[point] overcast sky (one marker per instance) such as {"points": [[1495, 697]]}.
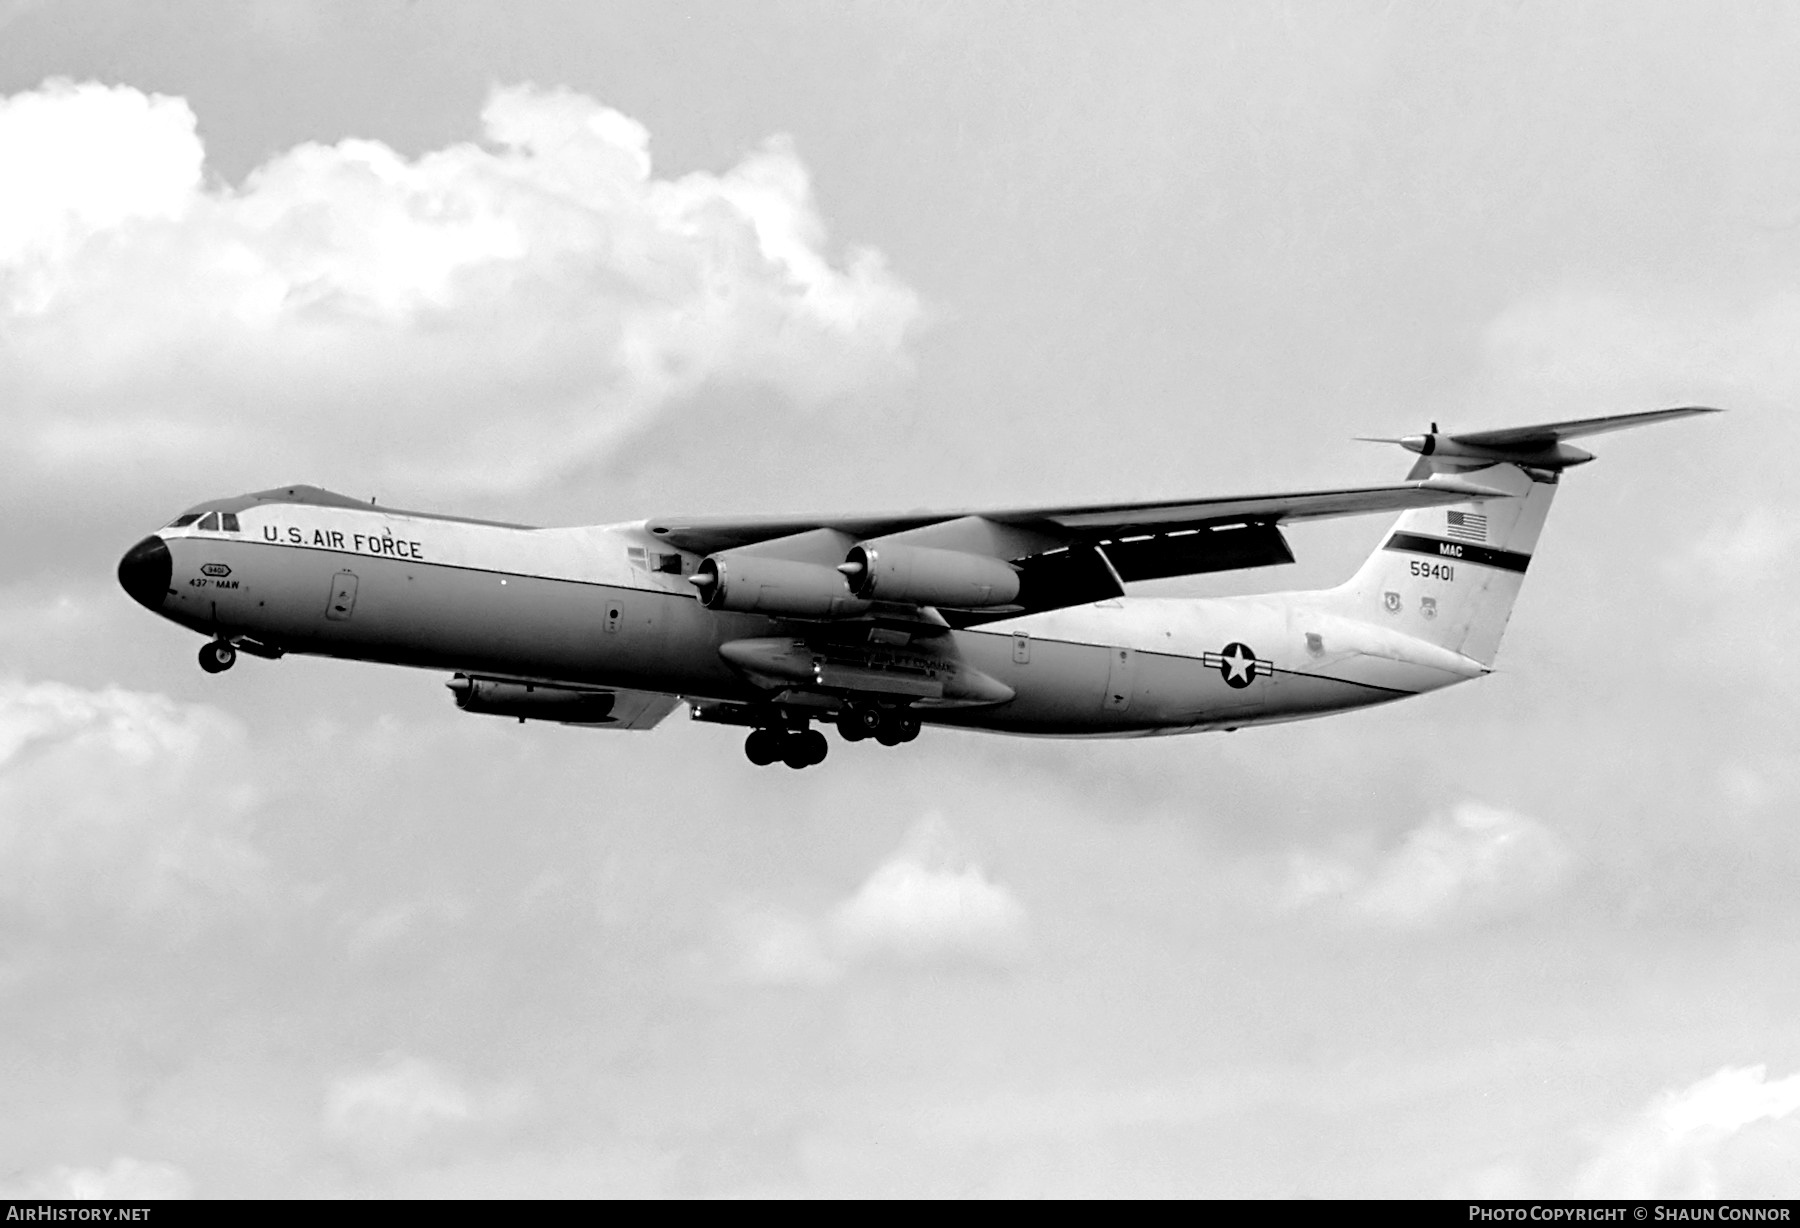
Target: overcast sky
{"points": [[303, 928]]}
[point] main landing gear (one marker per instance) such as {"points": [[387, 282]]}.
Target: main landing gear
{"points": [[797, 748], [802, 747], [217, 656], [888, 726]]}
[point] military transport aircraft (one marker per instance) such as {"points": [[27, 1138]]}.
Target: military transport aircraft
{"points": [[1014, 620]]}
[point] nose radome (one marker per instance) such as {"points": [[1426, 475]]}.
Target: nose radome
{"points": [[145, 570]]}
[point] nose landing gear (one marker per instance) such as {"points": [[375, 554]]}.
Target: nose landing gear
{"points": [[217, 656]]}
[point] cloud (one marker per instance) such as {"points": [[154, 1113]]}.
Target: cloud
{"points": [[85, 160], [1476, 860], [479, 318], [406, 1102], [780, 948], [117, 801], [928, 904], [1732, 1134], [124, 1178]]}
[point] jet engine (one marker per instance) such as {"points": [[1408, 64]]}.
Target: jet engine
{"points": [[760, 584], [529, 701], [925, 575]]}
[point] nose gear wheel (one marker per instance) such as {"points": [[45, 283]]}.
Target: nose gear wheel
{"points": [[217, 656]]}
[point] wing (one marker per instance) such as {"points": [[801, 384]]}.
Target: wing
{"points": [[1076, 554], [1090, 522]]}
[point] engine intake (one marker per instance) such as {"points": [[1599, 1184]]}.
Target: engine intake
{"points": [[760, 584], [530, 702], [925, 575]]}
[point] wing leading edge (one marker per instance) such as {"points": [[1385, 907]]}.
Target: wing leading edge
{"points": [[1074, 554], [1082, 523]]}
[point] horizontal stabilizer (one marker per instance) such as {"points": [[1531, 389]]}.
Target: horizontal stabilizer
{"points": [[1549, 434], [1543, 446]]}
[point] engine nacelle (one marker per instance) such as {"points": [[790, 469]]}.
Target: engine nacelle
{"points": [[530, 702], [759, 584], [893, 571]]}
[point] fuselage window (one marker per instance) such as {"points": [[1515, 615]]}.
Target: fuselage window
{"points": [[182, 522], [228, 521], [211, 521]]}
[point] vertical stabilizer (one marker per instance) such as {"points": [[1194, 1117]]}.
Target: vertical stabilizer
{"points": [[1450, 575]]}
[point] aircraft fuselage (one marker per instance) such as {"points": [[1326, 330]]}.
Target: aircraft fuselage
{"points": [[611, 606]]}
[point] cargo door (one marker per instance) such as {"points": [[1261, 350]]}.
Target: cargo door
{"points": [[343, 596]]}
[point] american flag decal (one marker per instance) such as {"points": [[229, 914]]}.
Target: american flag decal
{"points": [[1467, 526]]}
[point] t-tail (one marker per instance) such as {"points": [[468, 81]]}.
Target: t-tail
{"points": [[1449, 575]]}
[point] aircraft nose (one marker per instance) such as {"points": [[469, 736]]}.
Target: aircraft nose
{"points": [[145, 570]]}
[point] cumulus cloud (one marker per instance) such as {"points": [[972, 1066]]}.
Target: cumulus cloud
{"points": [[480, 317], [118, 800], [1475, 860], [124, 1178], [1734, 1133], [928, 904], [406, 1102], [87, 160]]}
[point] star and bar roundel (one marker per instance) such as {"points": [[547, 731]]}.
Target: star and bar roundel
{"points": [[1239, 665]]}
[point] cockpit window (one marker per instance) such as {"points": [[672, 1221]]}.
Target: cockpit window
{"points": [[228, 521], [211, 521], [182, 522]]}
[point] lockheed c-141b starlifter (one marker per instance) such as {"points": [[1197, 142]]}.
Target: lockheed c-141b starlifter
{"points": [[1014, 620]]}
